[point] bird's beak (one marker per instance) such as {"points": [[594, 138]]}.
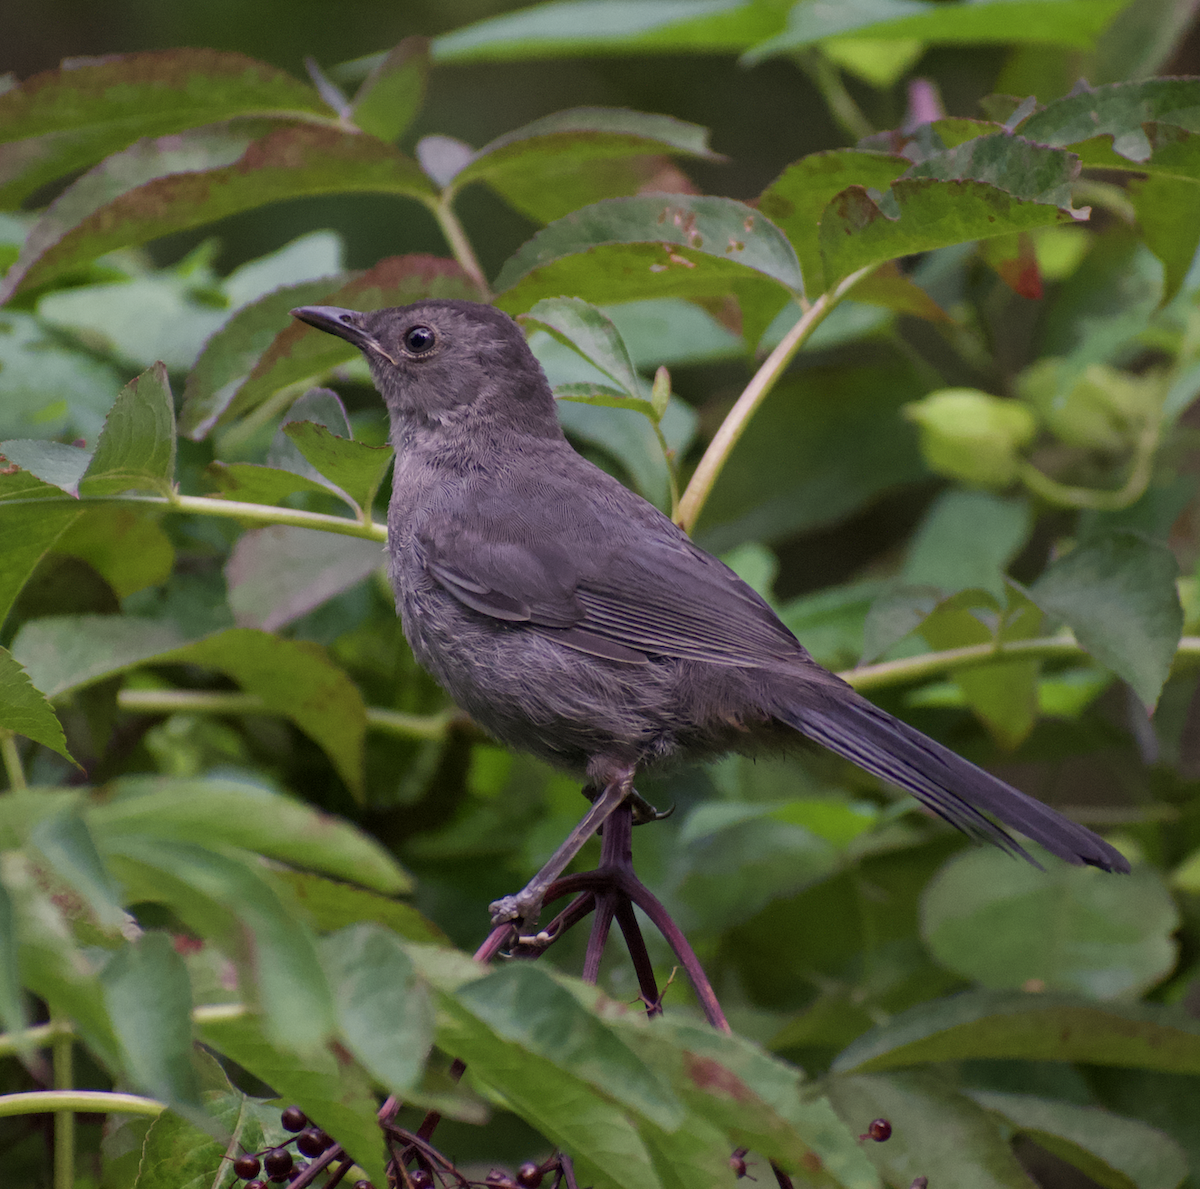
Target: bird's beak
{"points": [[343, 323]]}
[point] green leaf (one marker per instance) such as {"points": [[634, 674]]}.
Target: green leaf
{"points": [[331, 905], [227, 813], [66, 844], [1168, 210], [293, 677], [149, 999], [391, 95], [25, 711], [1067, 929], [127, 549], [224, 898], [1114, 1151], [1122, 111], [1038, 1027], [384, 1012], [826, 442], [277, 574], [354, 467], [300, 353], [830, 623], [129, 96], [251, 483], [754, 1098], [936, 1132], [230, 355], [796, 200], [678, 245], [856, 232], [1117, 594], [896, 613], [559, 29], [673, 332], [567, 160], [287, 163], [969, 22], [13, 1016], [333, 1094], [137, 445], [52, 462], [586, 330]]}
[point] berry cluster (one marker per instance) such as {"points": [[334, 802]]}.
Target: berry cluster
{"points": [[278, 1164]]}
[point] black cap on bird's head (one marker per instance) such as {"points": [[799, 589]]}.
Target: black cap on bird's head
{"points": [[433, 357]]}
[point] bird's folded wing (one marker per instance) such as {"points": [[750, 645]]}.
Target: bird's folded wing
{"points": [[665, 598]]}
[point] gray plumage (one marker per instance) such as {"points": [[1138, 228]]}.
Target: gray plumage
{"points": [[571, 619]]}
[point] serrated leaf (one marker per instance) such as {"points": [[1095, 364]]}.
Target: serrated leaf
{"points": [[279, 573], [796, 200], [384, 1011], [1114, 1151], [391, 95], [354, 467], [55, 463], [936, 1132], [252, 483], [855, 231], [130, 96], [1068, 928], [332, 904], [1034, 1027], [628, 249], [136, 448], [293, 677], [226, 813], [230, 354], [224, 897], [25, 711], [300, 353], [558, 29], [970, 22], [334, 1094], [588, 331], [287, 163], [149, 999], [1117, 593], [567, 160]]}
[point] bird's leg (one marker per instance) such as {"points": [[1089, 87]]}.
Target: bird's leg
{"points": [[525, 906], [643, 811]]}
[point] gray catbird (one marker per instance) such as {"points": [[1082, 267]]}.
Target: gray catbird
{"points": [[571, 619]]}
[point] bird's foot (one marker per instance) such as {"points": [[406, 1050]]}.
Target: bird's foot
{"points": [[644, 812], [523, 909]]}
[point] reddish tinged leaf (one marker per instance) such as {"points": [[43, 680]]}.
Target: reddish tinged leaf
{"points": [[68, 119], [287, 163], [1014, 259], [300, 352]]}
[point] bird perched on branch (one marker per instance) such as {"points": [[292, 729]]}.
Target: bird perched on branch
{"points": [[572, 619]]}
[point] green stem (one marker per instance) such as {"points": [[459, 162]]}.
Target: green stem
{"points": [[99, 1102], [827, 78], [231, 510], [1062, 495], [755, 392], [12, 760], [932, 664], [190, 701], [460, 246], [64, 1119]]}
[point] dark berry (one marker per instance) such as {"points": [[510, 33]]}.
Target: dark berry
{"points": [[297, 1169], [529, 1175], [256, 1185], [278, 1163], [919, 1183], [363, 1185], [294, 1119], [421, 1179], [313, 1142], [247, 1167], [879, 1130]]}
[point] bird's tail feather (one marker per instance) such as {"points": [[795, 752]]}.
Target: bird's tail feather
{"points": [[953, 788]]}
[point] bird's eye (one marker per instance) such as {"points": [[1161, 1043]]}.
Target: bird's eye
{"points": [[419, 339]]}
